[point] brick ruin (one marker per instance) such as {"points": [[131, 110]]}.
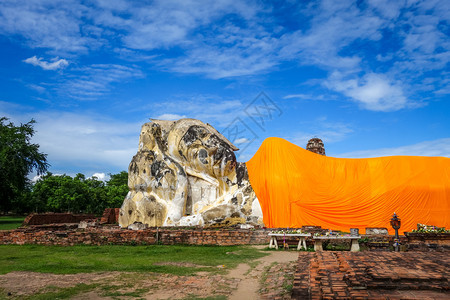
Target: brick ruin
{"points": [[55, 218], [358, 275], [105, 231]]}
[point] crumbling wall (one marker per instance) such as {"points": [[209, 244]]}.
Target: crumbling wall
{"points": [[55, 218]]}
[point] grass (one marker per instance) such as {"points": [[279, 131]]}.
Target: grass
{"points": [[336, 247], [62, 293], [86, 259], [265, 274], [10, 222]]}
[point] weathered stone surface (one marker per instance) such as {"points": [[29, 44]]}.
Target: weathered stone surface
{"points": [[137, 226], [88, 223], [316, 145], [185, 173], [376, 230]]}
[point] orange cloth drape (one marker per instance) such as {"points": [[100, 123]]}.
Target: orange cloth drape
{"points": [[296, 187]]}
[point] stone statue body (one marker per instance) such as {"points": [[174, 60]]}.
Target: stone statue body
{"points": [[185, 173]]}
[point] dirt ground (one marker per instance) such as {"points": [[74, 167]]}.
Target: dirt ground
{"points": [[266, 278]]}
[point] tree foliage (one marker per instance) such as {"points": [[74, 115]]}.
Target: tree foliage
{"points": [[56, 193], [63, 193], [18, 158]]}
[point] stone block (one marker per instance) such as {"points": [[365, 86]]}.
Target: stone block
{"points": [[376, 231], [88, 223], [138, 226]]}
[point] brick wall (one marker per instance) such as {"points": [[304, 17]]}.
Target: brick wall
{"points": [[53, 218], [114, 235], [428, 241], [69, 234]]}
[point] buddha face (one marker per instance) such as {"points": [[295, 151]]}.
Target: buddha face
{"points": [[206, 153]]}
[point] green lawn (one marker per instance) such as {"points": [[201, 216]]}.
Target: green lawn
{"points": [[10, 222], [80, 259]]}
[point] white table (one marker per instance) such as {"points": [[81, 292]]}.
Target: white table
{"points": [[354, 238], [301, 242]]}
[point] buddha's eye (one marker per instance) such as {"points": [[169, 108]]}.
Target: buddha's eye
{"points": [[202, 156]]}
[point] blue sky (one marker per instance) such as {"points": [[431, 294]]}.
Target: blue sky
{"points": [[371, 78]]}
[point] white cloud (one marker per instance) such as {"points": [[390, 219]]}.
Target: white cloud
{"points": [[327, 131], [170, 23], [54, 65], [307, 97], [223, 62], [439, 147], [35, 178], [169, 117], [46, 24], [226, 38], [420, 44], [220, 113], [100, 176], [93, 81], [89, 141], [37, 88], [241, 141], [79, 142], [373, 91], [298, 96], [334, 26]]}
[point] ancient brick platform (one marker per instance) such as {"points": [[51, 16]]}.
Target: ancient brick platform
{"points": [[55, 218], [67, 235], [372, 275]]}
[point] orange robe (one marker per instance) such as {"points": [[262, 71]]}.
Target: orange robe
{"points": [[297, 187]]}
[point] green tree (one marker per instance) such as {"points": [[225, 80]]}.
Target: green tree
{"points": [[62, 193], [117, 189], [18, 158], [119, 179]]}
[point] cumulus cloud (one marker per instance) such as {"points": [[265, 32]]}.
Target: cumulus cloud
{"points": [[100, 176], [55, 63], [373, 91]]}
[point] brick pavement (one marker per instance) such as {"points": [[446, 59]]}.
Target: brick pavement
{"points": [[277, 282], [372, 275]]}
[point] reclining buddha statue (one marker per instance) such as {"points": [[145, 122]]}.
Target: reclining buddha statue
{"points": [[185, 173]]}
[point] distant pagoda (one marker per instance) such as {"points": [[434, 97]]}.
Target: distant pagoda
{"points": [[316, 145]]}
